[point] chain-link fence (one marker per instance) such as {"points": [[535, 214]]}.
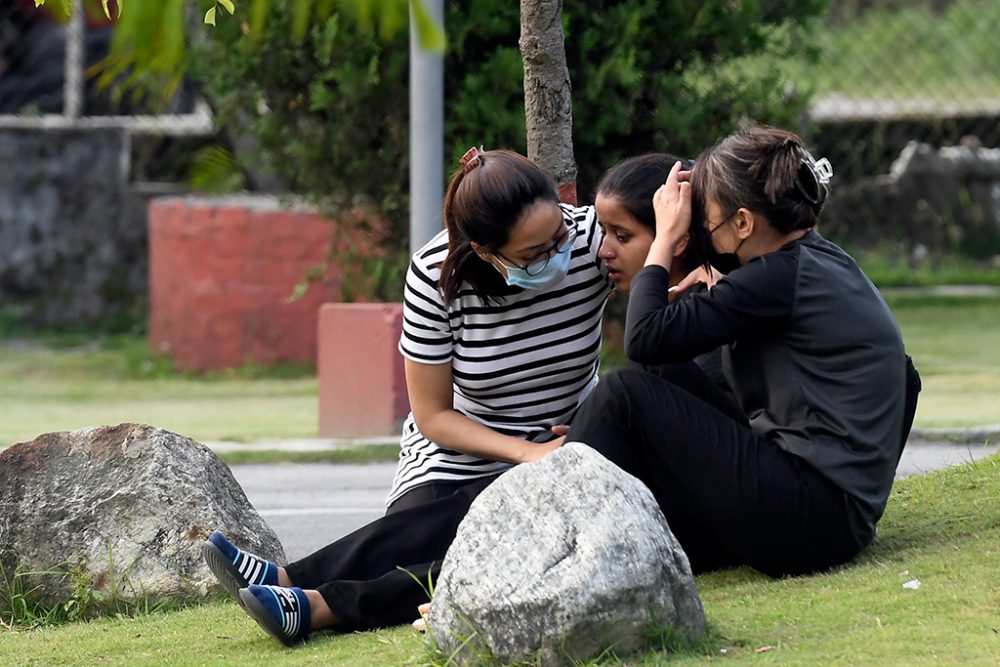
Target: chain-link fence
{"points": [[906, 105]]}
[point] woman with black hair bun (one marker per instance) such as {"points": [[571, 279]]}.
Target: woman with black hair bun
{"points": [[797, 482]]}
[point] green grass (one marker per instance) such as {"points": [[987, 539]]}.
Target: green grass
{"points": [[952, 270], [954, 343], [52, 384], [942, 528], [346, 454]]}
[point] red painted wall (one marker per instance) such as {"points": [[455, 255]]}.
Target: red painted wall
{"points": [[220, 274]]}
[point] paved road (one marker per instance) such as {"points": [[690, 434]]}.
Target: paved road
{"points": [[311, 505]]}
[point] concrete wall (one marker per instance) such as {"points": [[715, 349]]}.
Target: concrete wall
{"points": [[933, 202], [72, 233]]}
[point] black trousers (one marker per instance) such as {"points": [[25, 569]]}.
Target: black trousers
{"points": [[729, 496], [378, 575]]}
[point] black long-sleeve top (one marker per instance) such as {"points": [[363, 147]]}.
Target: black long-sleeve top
{"points": [[811, 351]]}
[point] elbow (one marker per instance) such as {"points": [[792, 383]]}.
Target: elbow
{"points": [[636, 351]]}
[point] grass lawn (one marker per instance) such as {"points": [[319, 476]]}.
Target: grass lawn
{"points": [[955, 343], [942, 529], [53, 384], [50, 385]]}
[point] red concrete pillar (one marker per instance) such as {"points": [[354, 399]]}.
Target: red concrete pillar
{"points": [[362, 388]]}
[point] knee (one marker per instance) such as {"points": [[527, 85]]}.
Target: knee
{"points": [[621, 380]]}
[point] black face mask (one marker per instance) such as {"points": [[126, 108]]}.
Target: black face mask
{"points": [[723, 262]]}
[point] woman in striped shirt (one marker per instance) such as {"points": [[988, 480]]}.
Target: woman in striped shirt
{"points": [[501, 327]]}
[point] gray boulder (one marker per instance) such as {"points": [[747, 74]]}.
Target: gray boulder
{"points": [[125, 506], [559, 560]]}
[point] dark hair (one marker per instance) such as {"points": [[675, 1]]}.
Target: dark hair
{"points": [[482, 205], [762, 169], [633, 182]]}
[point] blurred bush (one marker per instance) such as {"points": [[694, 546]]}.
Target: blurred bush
{"points": [[328, 116]]}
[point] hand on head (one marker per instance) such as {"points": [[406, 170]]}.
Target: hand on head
{"points": [[672, 205]]}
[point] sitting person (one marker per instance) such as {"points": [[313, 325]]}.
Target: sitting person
{"points": [[810, 350], [356, 583]]}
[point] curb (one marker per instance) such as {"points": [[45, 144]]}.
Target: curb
{"points": [[301, 444], [974, 435]]}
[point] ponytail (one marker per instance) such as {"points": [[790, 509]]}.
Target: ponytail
{"points": [[766, 170]]}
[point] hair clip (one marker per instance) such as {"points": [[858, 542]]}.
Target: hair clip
{"points": [[817, 187], [472, 159]]}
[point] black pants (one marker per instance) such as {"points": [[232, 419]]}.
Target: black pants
{"points": [[729, 496], [378, 575]]}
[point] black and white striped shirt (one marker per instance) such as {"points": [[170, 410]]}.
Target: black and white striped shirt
{"points": [[520, 365]]}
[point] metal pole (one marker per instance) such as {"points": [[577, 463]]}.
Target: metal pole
{"points": [[73, 66], [426, 134]]}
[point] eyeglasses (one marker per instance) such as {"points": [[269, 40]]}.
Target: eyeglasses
{"points": [[711, 230], [538, 263]]}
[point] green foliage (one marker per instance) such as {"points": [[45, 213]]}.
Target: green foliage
{"points": [[214, 171], [23, 607], [325, 112], [950, 48], [646, 75], [329, 109]]}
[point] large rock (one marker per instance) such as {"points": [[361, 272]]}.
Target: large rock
{"points": [[126, 506], [559, 560]]}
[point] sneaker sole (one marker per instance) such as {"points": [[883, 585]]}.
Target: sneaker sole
{"points": [[224, 570], [264, 619]]}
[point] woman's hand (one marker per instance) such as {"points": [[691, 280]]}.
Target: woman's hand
{"points": [[672, 206], [699, 275], [537, 452]]}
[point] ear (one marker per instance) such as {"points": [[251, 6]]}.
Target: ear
{"points": [[744, 222], [682, 245], [480, 251]]}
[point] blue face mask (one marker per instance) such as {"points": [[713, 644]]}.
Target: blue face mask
{"points": [[537, 277]]}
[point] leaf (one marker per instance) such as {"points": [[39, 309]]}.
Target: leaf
{"points": [[210, 16], [300, 20], [430, 33], [228, 4], [258, 19]]}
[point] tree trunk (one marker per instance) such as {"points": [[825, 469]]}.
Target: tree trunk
{"points": [[548, 107]]}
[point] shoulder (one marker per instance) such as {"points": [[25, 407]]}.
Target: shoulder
{"points": [[777, 266], [583, 216], [427, 260]]}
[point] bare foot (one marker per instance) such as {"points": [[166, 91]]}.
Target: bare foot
{"points": [[420, 625]]}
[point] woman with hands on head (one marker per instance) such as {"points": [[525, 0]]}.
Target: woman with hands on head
{"points": [[797, 482]]}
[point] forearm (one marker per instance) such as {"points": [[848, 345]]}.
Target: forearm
{"points": [[453, 430], [661, 252]]}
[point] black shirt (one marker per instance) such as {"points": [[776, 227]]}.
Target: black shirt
{"points": [[811, 352]]}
